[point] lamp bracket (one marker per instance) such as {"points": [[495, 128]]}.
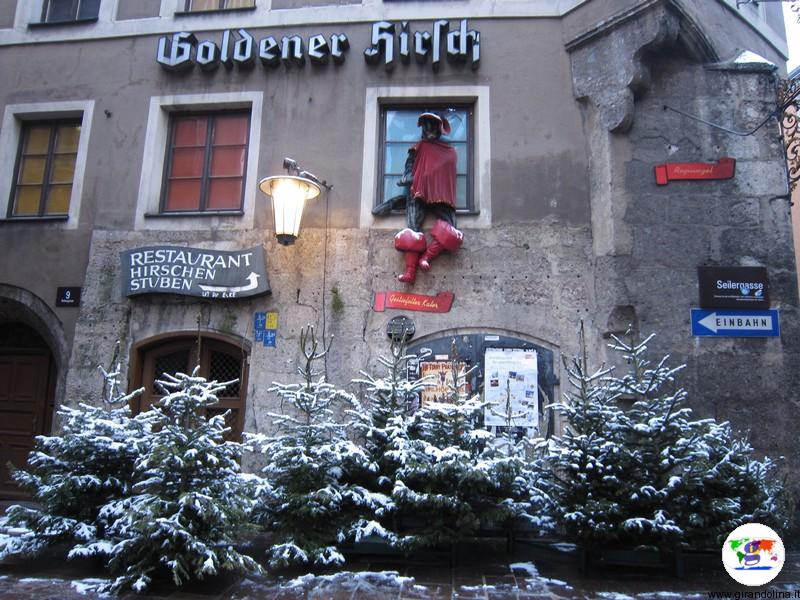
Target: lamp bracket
{"points": [[293, 168]]}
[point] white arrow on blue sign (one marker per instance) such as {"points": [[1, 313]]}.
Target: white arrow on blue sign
{"points": [[735, 323]]}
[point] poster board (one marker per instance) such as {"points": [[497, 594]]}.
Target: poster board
{"points": [[439, 376], [511, 378]]}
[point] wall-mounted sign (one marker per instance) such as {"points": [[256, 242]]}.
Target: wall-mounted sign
{"points": [[265, 326], [194, 272], [724, 169], [722, 322], [401, 327], [440, 303], [733, 287], [460, 45], [68, 296], [510, 387], [182, 51]]}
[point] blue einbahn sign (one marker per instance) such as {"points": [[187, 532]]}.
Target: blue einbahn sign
{"points": [[720, 322]]}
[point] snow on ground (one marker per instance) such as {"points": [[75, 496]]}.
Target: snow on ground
{"points": [[365, 581], [89, 586], [527, 567]]}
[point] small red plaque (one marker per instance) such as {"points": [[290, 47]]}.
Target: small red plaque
{"points": [[440, 303], [724, 169]]}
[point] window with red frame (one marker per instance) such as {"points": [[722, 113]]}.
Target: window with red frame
{"points": [[206, 158]]}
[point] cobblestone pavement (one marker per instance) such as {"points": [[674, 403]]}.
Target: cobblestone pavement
{"points": [[530, 573]]}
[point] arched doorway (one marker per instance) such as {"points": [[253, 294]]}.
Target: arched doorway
{"points": [[219, 359], [27, 384]]}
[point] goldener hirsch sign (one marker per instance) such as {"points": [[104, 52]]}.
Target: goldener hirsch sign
{"points": [[194, 272]]}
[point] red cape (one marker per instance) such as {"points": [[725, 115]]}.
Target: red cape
{"points": [[434, 173]]}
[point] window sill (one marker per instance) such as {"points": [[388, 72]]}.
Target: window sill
{"points": [[46, 24], [37, 219], [216, 11], [188, 213]]}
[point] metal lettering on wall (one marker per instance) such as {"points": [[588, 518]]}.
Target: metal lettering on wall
{"points": [[182, 51], [194, 272]]}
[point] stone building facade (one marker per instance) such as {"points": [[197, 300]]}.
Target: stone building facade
{"points": [[566, 109]]}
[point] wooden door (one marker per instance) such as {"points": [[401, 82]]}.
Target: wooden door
{"points": [[23, 406], [218, 361]]}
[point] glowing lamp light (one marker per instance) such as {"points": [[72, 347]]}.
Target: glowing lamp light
{"points": [[289, 194]]}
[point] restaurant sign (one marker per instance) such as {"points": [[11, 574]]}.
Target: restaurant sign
{"points": [[194, 272], [389, 43]]}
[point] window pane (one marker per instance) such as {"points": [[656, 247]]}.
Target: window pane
{"points": [[190, 131], [225, 194], [183, 194], [461, 163], [230, 130], [396, 155], [63, 169], [67, 138], [239, 3], [390, 187], [176, 362], [187, 162], [461, 191], [37, 140], [58, 199], [32, 170], [227, 161], [27, 201], [61, 10], [204, 5], [458, 126], [89, 9], [401, 126]]}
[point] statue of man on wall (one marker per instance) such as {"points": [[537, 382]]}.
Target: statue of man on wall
{"points": [[430, 174]]}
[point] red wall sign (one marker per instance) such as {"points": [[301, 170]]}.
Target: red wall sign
{"points": [[724, 169], [440, 303]]}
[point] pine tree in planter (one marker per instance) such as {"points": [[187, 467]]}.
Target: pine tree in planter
{"points": [[189, 500], [651, 475], [725, 486], [455, 480], [311, 507], [589, 464], [383, 427], [660, 437], [73, 474]]}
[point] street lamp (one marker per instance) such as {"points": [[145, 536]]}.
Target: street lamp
{"points": [[289, 194]]}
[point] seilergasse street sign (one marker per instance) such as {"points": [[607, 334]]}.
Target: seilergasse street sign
{"points": [[718, 322]]}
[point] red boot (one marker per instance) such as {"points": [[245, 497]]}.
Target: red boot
{"points": [[445, 237], [410, 273], [412, 243]]}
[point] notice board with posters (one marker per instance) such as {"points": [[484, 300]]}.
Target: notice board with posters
{"points": [[471, 347], [439, 375], [511, 387]]}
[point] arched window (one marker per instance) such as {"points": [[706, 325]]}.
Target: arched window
{"points": [[218, 360]]}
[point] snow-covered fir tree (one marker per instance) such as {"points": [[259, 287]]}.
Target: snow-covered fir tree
{"points": [[312, 505], [454, 480], [588, 464], [189, 502], [387, 403], [71, 475], [652, 475], [724, 486]]}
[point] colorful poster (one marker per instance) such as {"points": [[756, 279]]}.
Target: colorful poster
{"points": [[439, 376], [511, 388]]}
